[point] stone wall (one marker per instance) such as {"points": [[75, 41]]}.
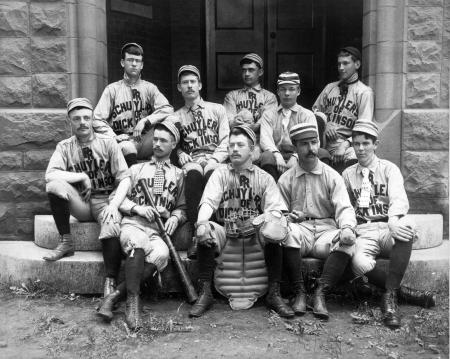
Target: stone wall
{"points": [[425, 117]]}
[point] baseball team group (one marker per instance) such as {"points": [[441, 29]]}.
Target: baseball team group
{"points": [[259, 183]]}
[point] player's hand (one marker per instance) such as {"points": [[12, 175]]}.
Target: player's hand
{"points": [[203, 235], [338, 155], [347, 237], [86, 192], [163, 212], [111, 213], [292, 162], [137, 132], [211, 165], [296, 216], [171, 224], [184, 158], [147, 212], [331, 134], [122, 137], [400, 231], [281, 164]]}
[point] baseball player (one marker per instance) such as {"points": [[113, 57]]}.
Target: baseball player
{"points": [[233, 190], [81, 176], [247, 104], [384, 229], [321, 215], [279, 152], [204, 131], [147, 254], [128, 109], [343, 102]]}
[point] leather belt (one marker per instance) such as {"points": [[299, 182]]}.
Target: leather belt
{"points": [[363, 221]]}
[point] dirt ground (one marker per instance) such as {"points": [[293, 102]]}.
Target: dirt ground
{"points": [[36, 324]]}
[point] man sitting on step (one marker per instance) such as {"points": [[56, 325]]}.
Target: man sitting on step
{"points": [[384, 229], [236, 193], [81, 176], [146, 251]]}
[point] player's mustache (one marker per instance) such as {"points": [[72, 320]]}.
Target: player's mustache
{"points": [[83, 128], [312, 153]]}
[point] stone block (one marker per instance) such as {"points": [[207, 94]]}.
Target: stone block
{"points": [[429, 230], [36, 159], [445, 77], [22, 186], [425, 2], [390, 123], [25, 129], [426, 173], [30, 209], [424, 23], [388, 89], [50, 90], [11, 160], [48, 54], [15, 56], [424, 56], [15, 92], [85, 234], [25, 227], [389, 57], [48, 19], [431, 205], [13, 18], [422, 90], [425, 130], [8, 222]]}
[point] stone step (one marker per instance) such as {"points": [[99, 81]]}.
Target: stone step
{"points": [[85, 234], [430, 230], [82, 273]]}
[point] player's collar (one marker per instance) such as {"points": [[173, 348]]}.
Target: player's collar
{"points": [[167, 162], [128, 81], [250, 168], [372, 166], [318, 170], [198, 103], [257, 88], [294, 108]]}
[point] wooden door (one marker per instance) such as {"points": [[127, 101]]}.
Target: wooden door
{"points": [[288, 34]]}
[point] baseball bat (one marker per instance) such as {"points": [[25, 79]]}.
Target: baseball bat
{"points": [[181, 270]]}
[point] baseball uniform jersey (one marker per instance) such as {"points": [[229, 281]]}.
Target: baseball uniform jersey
{"points": [[123, 104]]}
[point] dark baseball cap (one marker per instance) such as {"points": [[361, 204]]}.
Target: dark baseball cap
{"points": [[353, 51], [129, 44]]}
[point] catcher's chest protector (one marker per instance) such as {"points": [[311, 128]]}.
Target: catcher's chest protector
{"points": [[241, 273]]}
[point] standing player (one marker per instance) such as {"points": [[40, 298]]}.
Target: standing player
{"points": [[146, 251], [279, 152], [379, 198], [247, 105], [128, 109], [81, 176], [232, 191], [204, 133], [322, 217], [343, 102]]}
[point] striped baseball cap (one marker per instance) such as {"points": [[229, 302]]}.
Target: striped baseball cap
{"points": [[79, 102], [366, 126], [170, 126], [250, 133], [253, 58], [302, 131], [290, 78], [188, 68]]}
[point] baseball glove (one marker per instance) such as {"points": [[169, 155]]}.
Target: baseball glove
{"points": [[272, 225]]}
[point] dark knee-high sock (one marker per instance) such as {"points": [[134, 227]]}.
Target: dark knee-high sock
{"points": [[348, 274], [134, 271], [398, 262], [60, 212], [273, 254], [131, 159], [194, 190], [292, 261], [377, 276], [271, 170], [334, 268], [206, 263], [112, 256]]}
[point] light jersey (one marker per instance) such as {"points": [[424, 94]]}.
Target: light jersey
{"points": [[122, 105], [204, 128], [255, 99], [172, 197], [320, 193], [232, 194], [274, 136], [343, 111], [387, 194], [101, 159]]}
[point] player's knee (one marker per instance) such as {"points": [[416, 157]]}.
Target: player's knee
{"points": [[321, 250], [159, 255], [128, 147], [58, 188], [362, 264], [109, 230], [193, 166], [210, 167]]}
